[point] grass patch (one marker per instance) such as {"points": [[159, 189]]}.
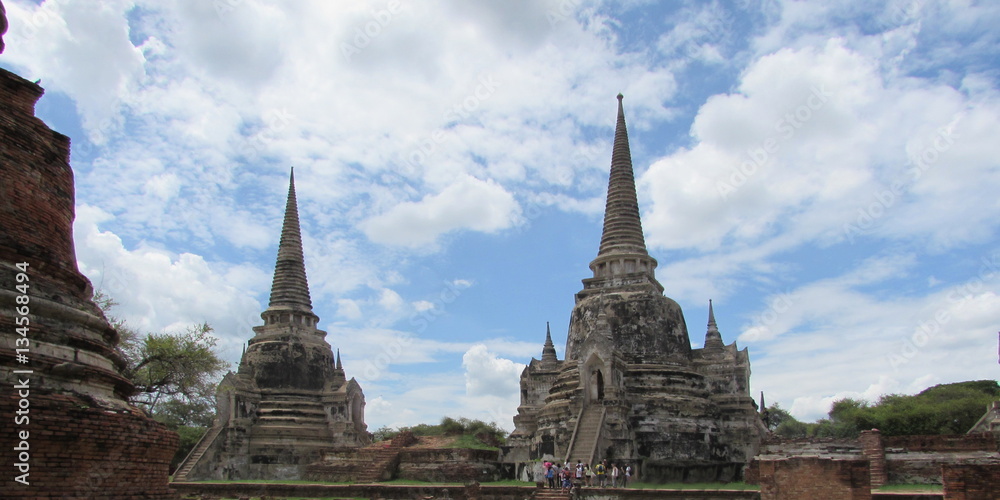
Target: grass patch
{"points": [[937, 488], [472, 442], [694, 486]]}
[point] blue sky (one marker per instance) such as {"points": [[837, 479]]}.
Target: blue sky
{"points": [[827, 172]]}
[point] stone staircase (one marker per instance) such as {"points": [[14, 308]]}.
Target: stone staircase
{"points": [[382, 459], [550, 494], [588, 431], [362, 466], [196, 453], [289, 417]]}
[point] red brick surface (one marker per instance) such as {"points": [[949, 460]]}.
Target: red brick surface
{"points": [[814, 478], [36, 188], [79, 450], [944, 443], [873, 449], [971, 482]]}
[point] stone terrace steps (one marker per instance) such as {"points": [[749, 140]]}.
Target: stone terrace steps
{"points": [[381, 458], [291, 410], [550, 494], [197, 453], [281, 417], [587, 433]]}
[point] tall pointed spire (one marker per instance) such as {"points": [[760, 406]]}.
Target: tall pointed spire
{"points": [[713, 339], [712, 326], [622, 227], [339, 365], [290, 290], [549, 350], [622, 259]]}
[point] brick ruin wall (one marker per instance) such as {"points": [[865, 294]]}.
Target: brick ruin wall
{"points": [[83, 439], [944, 443], [448, 465], [895, 459], [919, 459], [815, 478], [82, 451], [971, 482]]}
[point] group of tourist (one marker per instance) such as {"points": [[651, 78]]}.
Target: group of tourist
{"points": [[601, 475]]}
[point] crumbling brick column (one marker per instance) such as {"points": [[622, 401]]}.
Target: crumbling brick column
{"points": [[69, 431], [873, 448]]}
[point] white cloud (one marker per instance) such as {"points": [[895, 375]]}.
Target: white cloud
{"points": [[463, 118], [469, 203], [486, 374], [157, 290], [843, 337], [59, 42]]}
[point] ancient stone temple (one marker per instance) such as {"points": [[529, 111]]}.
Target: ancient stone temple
{"points": [[290, 398], [631, 388], [68, 430]]}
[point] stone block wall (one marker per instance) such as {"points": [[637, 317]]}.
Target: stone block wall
{"points": [[971, 482], [448, 465], [814, 477]]}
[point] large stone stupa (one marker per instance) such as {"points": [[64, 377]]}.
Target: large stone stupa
{"points": [[631, 388], [290, 398]]}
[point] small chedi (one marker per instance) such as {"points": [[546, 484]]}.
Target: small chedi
{"points": [[631, 388], [290, 399]]}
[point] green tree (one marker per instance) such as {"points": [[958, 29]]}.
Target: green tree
{"points": [[774, 415], [174, 373], [942, 409]]}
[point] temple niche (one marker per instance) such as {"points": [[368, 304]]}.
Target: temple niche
{"points": [[290, 398], [631, 388]]}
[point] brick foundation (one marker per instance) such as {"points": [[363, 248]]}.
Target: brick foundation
{"points": [[79, 450], [813, 477], [971, 482]]}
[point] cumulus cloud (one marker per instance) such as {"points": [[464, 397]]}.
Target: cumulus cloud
{"points": [[487, 374], [469, 203], [160, 291], [777, 150], [59, 41]]}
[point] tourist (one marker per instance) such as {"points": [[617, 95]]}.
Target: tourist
{"points": [[550, 475], [601, 471], [628, 475], [579, 471], [567, 481], [614, 476], [588, 474]]}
